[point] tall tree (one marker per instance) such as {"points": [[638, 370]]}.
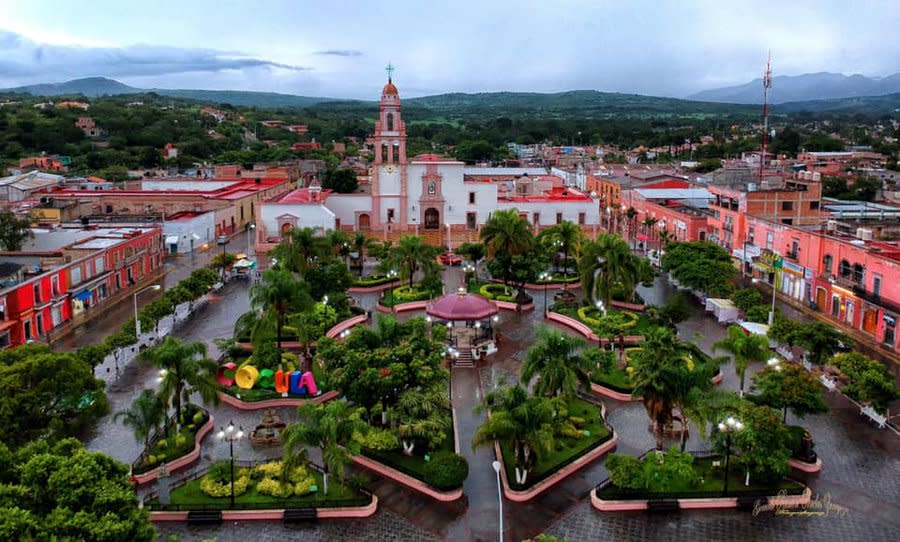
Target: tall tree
{"points": [[185, 370], [618, 268], [556, 361], [146, 413], [789, 386], [506, 235], [13, 230], [277, 295], [335, 428], [412, 254], [565, 237], [527, 423], [744, 348], [299, 250]]}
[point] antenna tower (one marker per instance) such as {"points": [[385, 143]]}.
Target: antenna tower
{"points": [[767, 84]]}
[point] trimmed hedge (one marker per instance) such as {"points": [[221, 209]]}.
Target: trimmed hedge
{"points": [[446, 471], [498, 292]]}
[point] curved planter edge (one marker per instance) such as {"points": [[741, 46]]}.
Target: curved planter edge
{"points": [[232, 401], [586, 332], [372, 289], [557, 477], [407, 480], [344, 325], [599, 389], [806, 467], [403, 307], [182, 461], [696, 504], [510, 306], [348, 512], [553, 286]]}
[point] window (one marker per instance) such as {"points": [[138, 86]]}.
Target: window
{"points": [[118, 282], [27, 328], [787, 205], [536, 218], [787, 221], [814, 205], [75, 274], [750, 235], [471, 198], [37, 293], [56, 316], [109, 208], [876, 285], [4, 340], [54, 285], [390, 215], [99, 264], [826, 261], [770, 240], [471, 221], [844, 268], [559, 218], [859, 273], [432, 188], [40, 324], [581, 219]]}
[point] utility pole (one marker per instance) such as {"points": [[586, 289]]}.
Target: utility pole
{"points": [[767, 84]]}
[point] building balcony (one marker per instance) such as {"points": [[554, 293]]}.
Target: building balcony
{"points": [[875, 299], [791, 255]]}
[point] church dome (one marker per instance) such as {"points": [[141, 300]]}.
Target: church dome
{"points": [[389, 89]]}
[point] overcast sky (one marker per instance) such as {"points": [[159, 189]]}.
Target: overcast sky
{"points": [[340, 47]]}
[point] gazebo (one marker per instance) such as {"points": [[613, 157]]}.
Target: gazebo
{"points": [[478, 314]]}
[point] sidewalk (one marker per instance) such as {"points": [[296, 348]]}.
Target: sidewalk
{"points": [[864, 342]]}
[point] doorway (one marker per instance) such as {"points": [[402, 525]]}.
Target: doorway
{"points": [[432, 219]]}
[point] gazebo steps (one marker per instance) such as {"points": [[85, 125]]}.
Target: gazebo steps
{"points": [[465, 359]]}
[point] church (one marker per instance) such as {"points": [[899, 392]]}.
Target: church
{"points": [[439, 198]]}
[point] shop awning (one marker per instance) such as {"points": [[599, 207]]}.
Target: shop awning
{"points": [[764, 267], [84, 296], [171, 239]]}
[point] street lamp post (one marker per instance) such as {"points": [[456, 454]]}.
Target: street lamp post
{"points": [[546, 278], [137, 321], [391, 275], [730, 426], [251, 247], [230, 435], [496, 465]]}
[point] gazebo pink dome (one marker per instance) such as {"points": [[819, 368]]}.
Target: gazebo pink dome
{"points": [[461, 306]]}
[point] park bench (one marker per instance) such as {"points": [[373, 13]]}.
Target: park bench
{"points": [[300, 515], [204, 517]]}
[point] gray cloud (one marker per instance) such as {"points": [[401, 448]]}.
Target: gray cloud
{"points": [[339, 52], [23, 58]]}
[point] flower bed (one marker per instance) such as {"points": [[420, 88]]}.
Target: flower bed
{"points": [[165, 450], [567, 449], [258, 488], [618, 380], [711, 485], [415, 465], [405, 294]]}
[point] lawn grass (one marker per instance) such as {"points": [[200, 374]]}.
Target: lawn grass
{"points": [[712, 483], [616, 379], [566, 449], [190, 494], [413, 465]]}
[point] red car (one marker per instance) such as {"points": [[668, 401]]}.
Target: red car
{"points": [[450, 259]]}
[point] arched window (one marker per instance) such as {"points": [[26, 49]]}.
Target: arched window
{"points": [[826, 261], [844, 268], [859, 273], [389, 120], [432, 188]]}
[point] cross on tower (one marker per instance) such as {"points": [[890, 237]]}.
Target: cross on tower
{"points": [[390, 70]]}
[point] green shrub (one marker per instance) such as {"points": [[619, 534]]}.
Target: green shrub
{"points": [[498, 292], [625, 471], [446, 471], [275, 488], [381, 440]]}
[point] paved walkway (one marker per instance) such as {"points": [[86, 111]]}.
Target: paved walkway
{"points": [[861, 473]]}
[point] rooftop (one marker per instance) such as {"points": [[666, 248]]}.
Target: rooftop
{"points": [[303, 196], [45, 240]]}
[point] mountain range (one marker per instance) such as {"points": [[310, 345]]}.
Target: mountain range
{"points": [[810, 92], [804, 88]]}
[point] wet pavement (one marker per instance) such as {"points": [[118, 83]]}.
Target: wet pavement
{"points": [[861, 463]]}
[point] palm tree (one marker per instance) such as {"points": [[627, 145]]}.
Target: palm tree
{"points": [[146, 413], [706, 407], [567, 237], [662, 374], [360, 245], [278, 294], [423, 414], [619, 268], [557, 363], [631, 215], [744, 349], [664, 239], [527, 423], [648, 224], [184, 370], [299, 250], [411, 254], [334, 428], [506, 233]]}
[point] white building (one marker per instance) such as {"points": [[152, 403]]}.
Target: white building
{"points": [[433, 196], [186, 232]]}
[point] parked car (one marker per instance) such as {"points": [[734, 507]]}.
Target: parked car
{"points": [[450, 259]]}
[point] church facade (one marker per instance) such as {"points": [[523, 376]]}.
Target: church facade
{"points": [[436, 197]]}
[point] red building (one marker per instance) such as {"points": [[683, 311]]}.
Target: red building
{"points": [[64, 273]]}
